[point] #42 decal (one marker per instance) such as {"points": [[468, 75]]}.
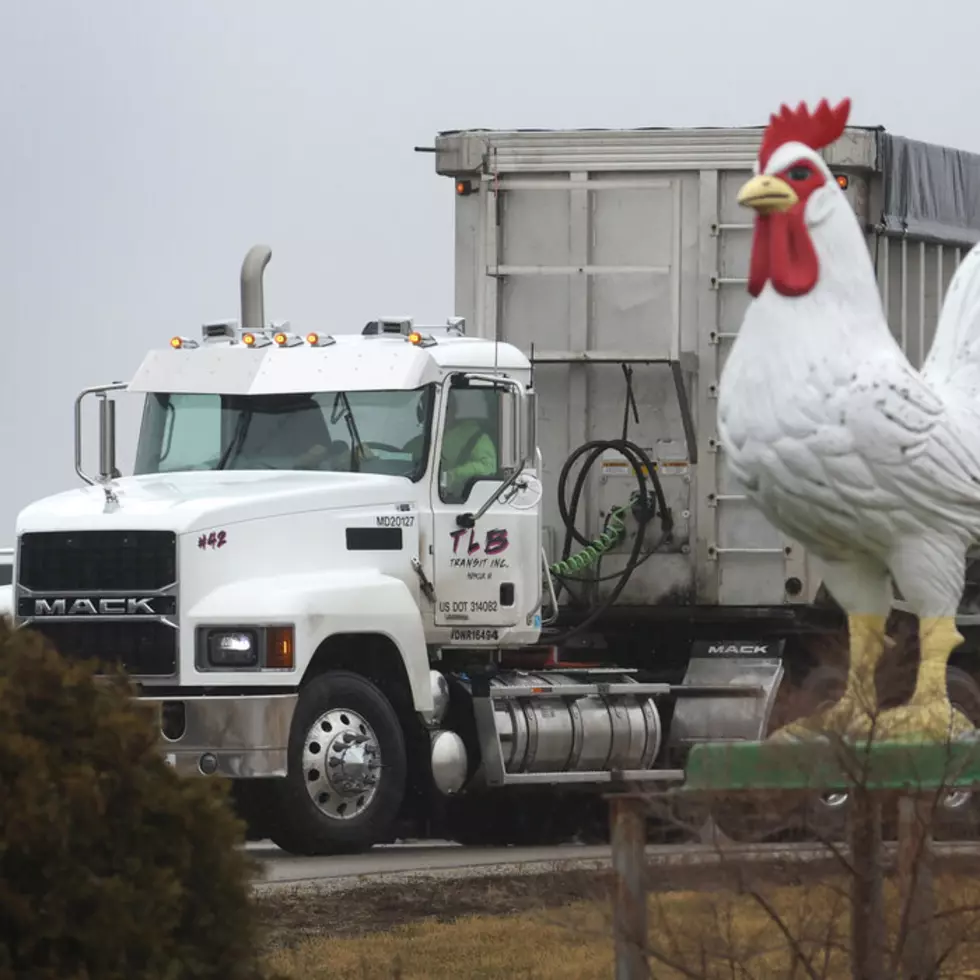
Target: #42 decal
{"points": [[216, 539]]}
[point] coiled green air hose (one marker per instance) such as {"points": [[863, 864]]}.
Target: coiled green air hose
{"points": [[611, 534]]}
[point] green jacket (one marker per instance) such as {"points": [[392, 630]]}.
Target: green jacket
{"points": [[481, 455]]}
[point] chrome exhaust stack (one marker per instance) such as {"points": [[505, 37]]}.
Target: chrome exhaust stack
{"points": [[253, 299]]}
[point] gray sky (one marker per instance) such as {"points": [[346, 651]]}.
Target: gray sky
{"points": [[146, 146]]}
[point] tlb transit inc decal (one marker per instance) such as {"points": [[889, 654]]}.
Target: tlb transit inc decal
{"points": [[479, 554]]}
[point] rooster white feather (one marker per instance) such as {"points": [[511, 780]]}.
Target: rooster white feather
{"points": [[871, 465]]}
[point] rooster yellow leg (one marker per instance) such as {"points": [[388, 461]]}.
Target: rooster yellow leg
{"points": [[852, 714], [862, 586], [928, 716], [930, 571]]}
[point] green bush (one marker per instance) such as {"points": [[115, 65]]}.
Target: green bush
{"points": [[111, 865]]}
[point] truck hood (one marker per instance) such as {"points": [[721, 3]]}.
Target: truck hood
{"points": [[196, 501]]}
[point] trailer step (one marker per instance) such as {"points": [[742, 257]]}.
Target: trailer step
{"points": [[625, 690], [592, 776]]}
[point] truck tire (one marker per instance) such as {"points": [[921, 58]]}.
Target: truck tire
{"points": [[251, 801], [501, 819], [346, 769]]}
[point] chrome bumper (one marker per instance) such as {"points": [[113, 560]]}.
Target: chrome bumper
{"points": [[241, 736]]}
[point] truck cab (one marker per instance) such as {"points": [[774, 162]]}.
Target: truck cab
{"points": [[297, 504]]}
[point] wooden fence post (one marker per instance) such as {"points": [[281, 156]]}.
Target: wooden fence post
{"points": [[867, 887], [915, 886], [629, 887]]}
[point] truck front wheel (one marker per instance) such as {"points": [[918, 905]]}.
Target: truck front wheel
{"points": [[346, 772]]}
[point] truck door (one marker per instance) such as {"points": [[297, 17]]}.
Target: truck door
{"points": [[487, 575]]}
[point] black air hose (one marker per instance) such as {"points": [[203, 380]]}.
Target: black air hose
{"points": [[644, 505]]}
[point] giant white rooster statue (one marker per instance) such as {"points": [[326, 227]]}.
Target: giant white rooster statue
{"points": [[871, 465]]}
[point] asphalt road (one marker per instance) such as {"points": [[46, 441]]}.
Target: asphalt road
{"points": [[414, 859], [443, 858]]}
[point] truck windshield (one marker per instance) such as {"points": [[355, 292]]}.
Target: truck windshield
{"points": [[352, 432]]}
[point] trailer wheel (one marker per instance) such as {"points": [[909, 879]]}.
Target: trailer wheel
{"points": [[957, 812], [823, 817], [346, 770]]}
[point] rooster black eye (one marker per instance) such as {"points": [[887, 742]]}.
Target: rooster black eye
{"points": [[800, 172]]}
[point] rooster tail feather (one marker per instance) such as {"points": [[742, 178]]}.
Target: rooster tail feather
{"points": [[954, 359]]}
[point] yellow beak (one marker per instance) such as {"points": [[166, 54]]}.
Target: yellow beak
{"points": [[767, 194]]}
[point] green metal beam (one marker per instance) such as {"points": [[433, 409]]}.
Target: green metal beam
{"points": [[824, 766]]}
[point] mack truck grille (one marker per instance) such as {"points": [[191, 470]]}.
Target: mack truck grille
{"points": [[97, 561], [103, 595]]}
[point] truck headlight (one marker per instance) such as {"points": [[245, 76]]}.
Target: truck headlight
{"points": [[253, 647], [233, 649]]}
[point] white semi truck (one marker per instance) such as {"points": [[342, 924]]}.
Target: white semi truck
{"points": [[342, 600]]}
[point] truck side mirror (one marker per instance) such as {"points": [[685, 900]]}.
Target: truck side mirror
{"points": [[528, 443], [509, 450], [107, 432], [107, 439]]}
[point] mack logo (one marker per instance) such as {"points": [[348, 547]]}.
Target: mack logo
{"points": [[115, 606], [737, 648]]}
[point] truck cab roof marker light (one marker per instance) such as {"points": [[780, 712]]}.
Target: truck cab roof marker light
{"points": [[283, 338], [319, 340], [255, 339], [182, 343]]}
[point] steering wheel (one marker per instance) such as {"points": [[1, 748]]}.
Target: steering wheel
{"points": [[384, 447]]}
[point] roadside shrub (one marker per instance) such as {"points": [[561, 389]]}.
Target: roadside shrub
{"points": [[112, 867]]}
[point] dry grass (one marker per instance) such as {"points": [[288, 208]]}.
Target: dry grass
{"points": [[558, 926], [539, 946]]}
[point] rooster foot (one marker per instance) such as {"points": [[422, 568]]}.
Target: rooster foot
{"points": [[844, 719], [932, 721]]}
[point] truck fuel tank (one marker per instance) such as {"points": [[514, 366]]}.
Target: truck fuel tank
{"points": [[598, 731]]}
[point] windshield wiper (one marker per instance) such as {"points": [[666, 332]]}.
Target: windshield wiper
{"points": [[237, 440], [342, 408], [170, 416]]}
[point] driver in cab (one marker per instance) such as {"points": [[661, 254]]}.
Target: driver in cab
{"points": [[468, 448]]}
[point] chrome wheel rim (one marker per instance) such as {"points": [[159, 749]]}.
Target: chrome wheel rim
{"points": [[956, 799], [833, 800], [341, 764]]}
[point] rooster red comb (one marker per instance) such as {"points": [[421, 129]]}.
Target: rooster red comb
{"points": [[798, 125]]}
